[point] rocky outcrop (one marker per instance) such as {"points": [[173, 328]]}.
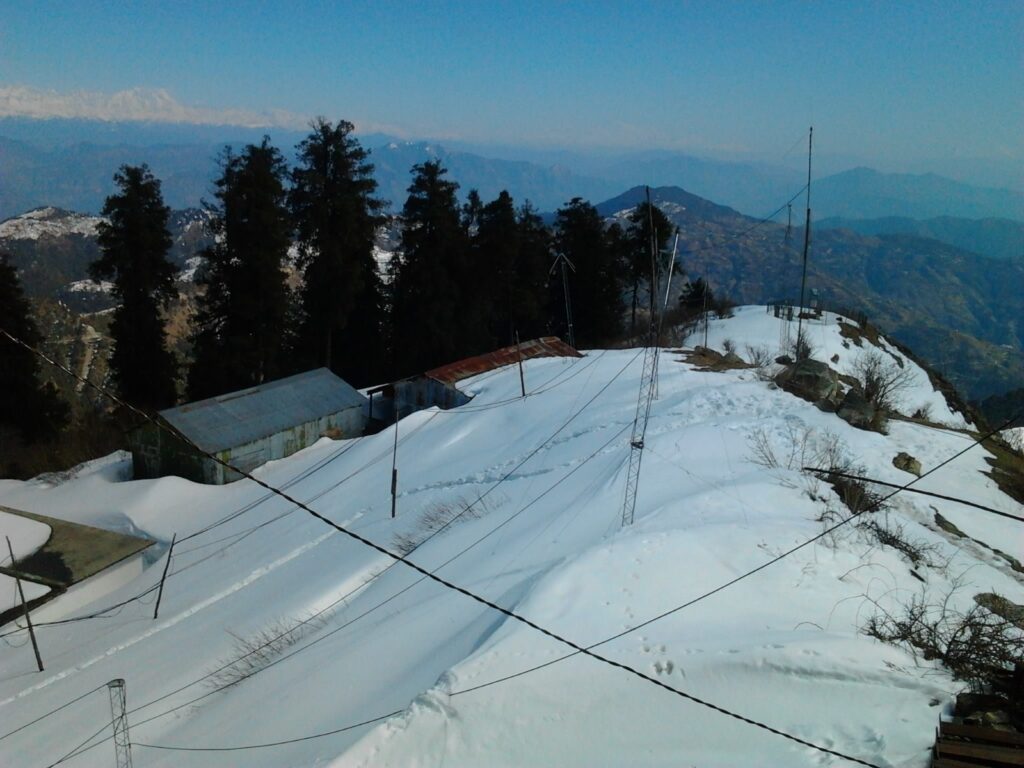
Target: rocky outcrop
{"points": [[812, 380], [856, 411]]}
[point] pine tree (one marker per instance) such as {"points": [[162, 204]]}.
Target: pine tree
{"points": [[29, 409], [428, 322], [596, 285], [336, 217], [241, 323], [695, 297], [639, 262], [533, 315], [134, 242], [495, 264]]}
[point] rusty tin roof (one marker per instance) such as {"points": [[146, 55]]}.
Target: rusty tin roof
{"points": [[547, 346]]}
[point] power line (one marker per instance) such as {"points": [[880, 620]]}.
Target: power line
{"points": [[455, 587], [53, 711], [836, 473], [368, 611], [419, 544], [743, 576]]}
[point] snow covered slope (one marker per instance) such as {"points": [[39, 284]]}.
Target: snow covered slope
{"points": [[48, 222], [392, 669]]}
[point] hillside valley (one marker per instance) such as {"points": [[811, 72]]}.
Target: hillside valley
{"points": [[959, 310]]}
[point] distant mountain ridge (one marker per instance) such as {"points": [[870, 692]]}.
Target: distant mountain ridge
{"points": [[70, 163], [959, 310], [995, 238], [864, 193]]}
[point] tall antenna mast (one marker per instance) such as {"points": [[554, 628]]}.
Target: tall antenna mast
{"points": [[807, 246], [646, 394], [562, 259]]}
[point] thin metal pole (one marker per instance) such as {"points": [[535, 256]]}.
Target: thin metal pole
{"points": [[519, 356], [807, 246], [394, 463], [163, 578], [568, 303], [671, 269], [24, 606]]}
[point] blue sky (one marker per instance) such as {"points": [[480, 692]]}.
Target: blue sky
{"points": [[892, 82]]}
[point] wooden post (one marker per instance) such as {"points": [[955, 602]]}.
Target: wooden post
{"points": [[519, 356], [163, 578], [394, 463], [24, 606]]}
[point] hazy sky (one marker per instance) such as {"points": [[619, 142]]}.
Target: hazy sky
{"points": [[893, 81]]}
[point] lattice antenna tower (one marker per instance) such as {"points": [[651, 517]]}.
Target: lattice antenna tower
{"points": [[119, 719], [646, 393]]}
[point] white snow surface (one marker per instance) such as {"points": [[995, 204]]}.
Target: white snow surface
{"points": [[90, 286], [757, 327], [26, 537], [782, 647], [48, 222]]}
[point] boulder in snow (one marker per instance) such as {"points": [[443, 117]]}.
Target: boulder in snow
{"points": [[907, 463], [812, 380]]}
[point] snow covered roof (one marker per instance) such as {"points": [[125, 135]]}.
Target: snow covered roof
{"points": [[241, 417]]}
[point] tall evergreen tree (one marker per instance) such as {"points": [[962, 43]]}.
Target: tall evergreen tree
{"points": [[28, 408], [510, 258], [336, 217], [428, 322], [495, 264], [134, 242], [241, 323], [532, 312], [638, 265], [596, 285]]}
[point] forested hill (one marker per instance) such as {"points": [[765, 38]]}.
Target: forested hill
{"points": [[960, 311]]}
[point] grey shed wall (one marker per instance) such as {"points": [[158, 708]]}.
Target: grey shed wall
{"points": [[250, 427]]}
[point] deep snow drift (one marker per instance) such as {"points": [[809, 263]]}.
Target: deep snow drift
{"points": [[783, 647]]}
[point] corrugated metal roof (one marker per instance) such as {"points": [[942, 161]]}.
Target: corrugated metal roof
{"points": [[241, 417], [547, 346]]}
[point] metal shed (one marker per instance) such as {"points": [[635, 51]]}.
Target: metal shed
{"points": [[249, 427], [437, 387]]}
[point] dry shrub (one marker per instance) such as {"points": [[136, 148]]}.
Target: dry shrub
{"points": [[883, 378], [437, 516], [978, 646], [257, 651]]}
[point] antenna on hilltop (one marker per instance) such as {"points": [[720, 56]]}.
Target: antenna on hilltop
{"points": [[807, 246], [562, 259], [647, 386]]}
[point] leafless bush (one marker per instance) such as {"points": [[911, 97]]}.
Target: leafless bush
{"points": [[923, 412], [802, 349], [977, 646], [729, 346], [437, 516], [723, 306], [894, 535], [801, 446], [882, 378], [758, 356], [253, 653]]}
